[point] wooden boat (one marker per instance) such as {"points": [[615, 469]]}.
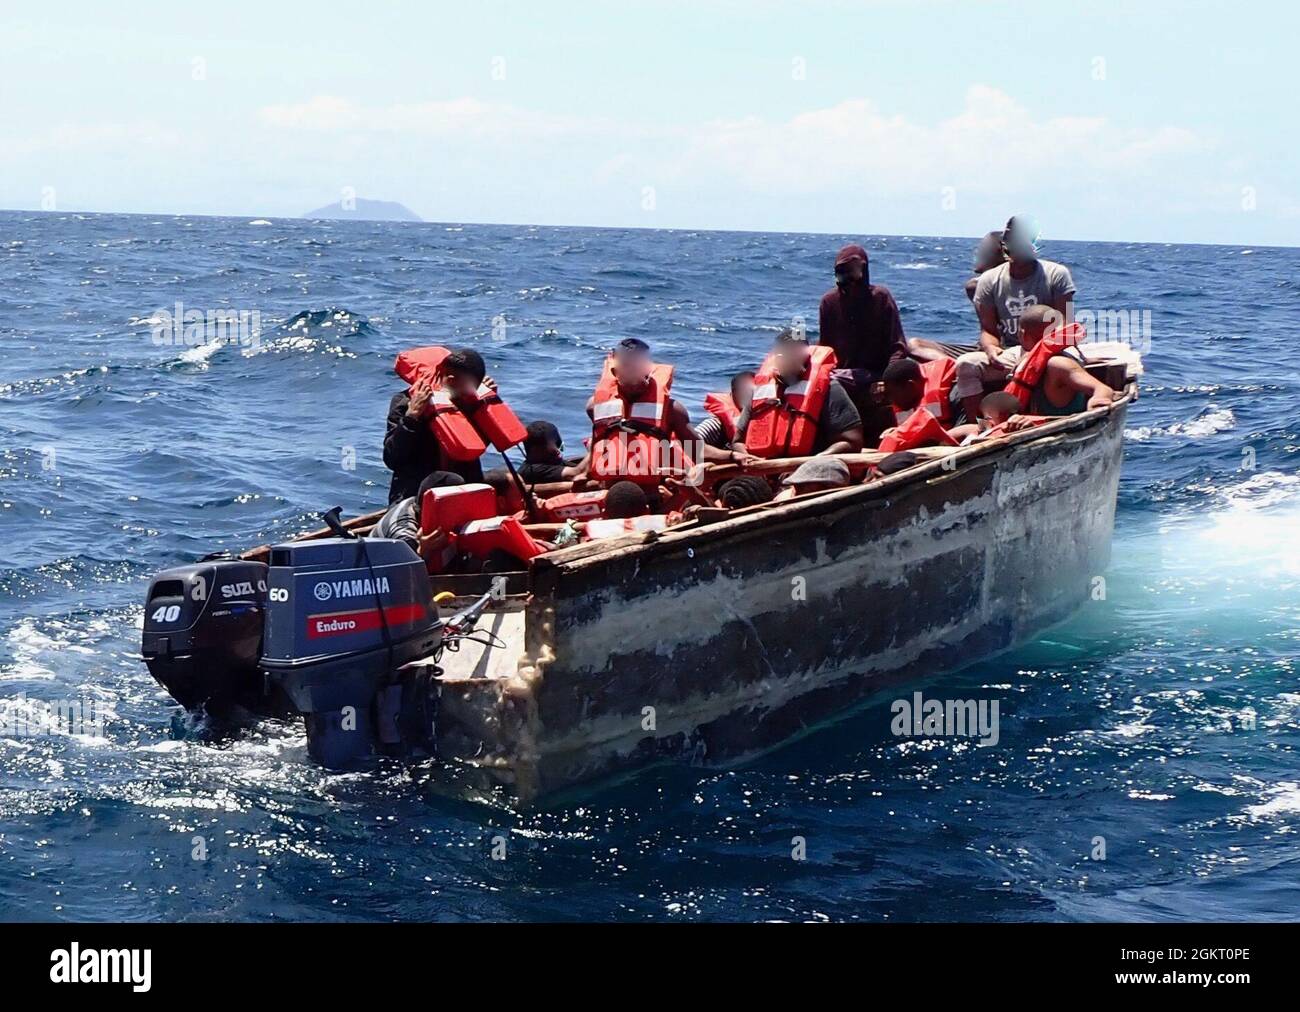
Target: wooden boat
{"points": [[725, 636]]}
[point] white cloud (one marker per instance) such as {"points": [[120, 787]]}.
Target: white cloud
{"points": [[992, 145]]}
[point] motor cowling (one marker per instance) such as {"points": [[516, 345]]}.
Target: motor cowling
{"points": [[202, 637], [343, 616]]}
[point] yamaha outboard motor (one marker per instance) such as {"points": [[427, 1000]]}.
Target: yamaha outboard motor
{"points": [[343, 615], [203, 635]]}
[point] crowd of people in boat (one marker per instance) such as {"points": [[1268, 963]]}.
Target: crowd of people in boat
{"points": [[863, 385]]}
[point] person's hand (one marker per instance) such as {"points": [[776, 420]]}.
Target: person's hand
{"points": [[744, 458], [421, 394], [490, 383], [1101, 399], [433, 543], [1017, 422]]}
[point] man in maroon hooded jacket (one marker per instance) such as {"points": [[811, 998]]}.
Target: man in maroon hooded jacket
{"points": [[861, 322]]}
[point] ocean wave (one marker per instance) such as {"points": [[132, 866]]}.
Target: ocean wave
{"points": [[1261, 491], [1209, 422]]}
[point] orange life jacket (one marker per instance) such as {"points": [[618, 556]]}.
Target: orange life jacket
{"points": [[461, 437], [1028, 373], [920, 429], [596, 529], [783, 422], [632, 440], [573, 506], [481, 538], [939, 377], [452, 506], [494, 420], [724, 409]]}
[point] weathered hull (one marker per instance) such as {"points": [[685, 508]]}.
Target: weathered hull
{"points": [[716, 642]]}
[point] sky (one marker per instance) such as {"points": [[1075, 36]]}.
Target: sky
{"points": [[1134, 121]]}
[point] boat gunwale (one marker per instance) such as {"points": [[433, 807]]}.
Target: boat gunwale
{"points": [[553, 564]]}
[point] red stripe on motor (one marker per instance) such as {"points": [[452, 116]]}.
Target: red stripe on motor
{"points": [[346, 623]]}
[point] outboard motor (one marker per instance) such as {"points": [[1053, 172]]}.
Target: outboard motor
{"points": [[342, 616], [203, 634]]}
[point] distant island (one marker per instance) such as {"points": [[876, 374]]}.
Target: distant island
{"points": [[366, 210]]}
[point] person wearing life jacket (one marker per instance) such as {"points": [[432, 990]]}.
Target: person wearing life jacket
{"points": [[1002, 294], [413, 447], [1050, 380], [719, 426], [912, 386], [798, 409], [639, 431]]}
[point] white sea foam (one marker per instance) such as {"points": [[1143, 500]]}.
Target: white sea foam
{"points": [[919, 266], [1211, 421], [1285, 800], [200, 353], [259, 221]]}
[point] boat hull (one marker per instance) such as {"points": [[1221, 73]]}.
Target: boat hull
{"points": [[715, 643]]}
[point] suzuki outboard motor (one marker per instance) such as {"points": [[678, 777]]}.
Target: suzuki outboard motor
{"points": [[343, 615], [203, 634]]}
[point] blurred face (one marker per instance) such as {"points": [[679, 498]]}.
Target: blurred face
{"points": [[849, 274], [632, 370], [742, 392], [905, 395], [790, 360], [1019, 238], [544, 451], [1031, 332], [460, 384]]}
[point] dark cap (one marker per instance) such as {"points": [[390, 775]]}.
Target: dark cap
{"points": [[896, 462]]}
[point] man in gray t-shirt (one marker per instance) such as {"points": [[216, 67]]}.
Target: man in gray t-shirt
{"points": [[1001, 295]]}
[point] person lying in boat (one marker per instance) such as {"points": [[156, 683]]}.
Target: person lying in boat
{"points": [[743, 490], [799, 408], [1002, 294], [639, 431], [419, 439], [816, 475], [719, 428], [1049, 380], [892, 464], [628, 510], [996, 409]]}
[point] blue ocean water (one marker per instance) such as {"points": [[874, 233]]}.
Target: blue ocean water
{"points": [[1162, 720]]}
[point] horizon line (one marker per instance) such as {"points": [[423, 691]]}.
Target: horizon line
{"points": [[618, 228]]}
